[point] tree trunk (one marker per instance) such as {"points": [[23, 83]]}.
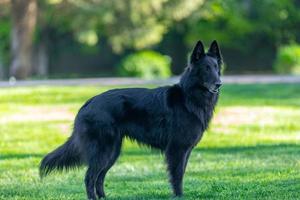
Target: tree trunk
{"points": [[24, 14]]}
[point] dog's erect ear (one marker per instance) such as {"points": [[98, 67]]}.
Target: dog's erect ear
{"points": [[215, 51], [198, 52]]}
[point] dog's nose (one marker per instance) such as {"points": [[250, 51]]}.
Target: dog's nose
{"points": [[218, 85]]}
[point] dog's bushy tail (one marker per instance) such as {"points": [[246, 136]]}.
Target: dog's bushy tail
{"points": [[63, 158]]}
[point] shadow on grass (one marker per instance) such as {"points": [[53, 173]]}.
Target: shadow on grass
{"points": [[135, 151], [281, 148], [20, 156]]}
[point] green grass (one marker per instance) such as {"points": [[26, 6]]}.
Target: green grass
{"points": [[251, 151]]}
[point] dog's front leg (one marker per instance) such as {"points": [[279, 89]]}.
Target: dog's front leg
{"points": [[177, 158]]}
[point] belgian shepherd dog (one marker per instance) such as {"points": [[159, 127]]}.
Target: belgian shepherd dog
{"points": [[171, 119]]}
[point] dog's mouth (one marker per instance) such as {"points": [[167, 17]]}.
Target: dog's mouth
{"points": [[215, 88]]}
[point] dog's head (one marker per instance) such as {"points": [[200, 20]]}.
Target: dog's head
{"points": [[204, 68]]}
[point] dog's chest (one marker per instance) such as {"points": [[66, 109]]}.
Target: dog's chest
{"points": [[194, 133], [187, 129]]}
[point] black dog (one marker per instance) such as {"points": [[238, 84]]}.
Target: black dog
{"points": [[170, 118]]}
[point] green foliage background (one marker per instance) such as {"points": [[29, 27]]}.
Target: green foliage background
{"points": [[288, 60], [250, 31], [146, 64]]}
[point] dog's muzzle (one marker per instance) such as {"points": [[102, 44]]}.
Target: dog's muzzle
{"points": [[213, 88]]}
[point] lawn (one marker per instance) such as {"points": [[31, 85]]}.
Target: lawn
{"points": [[251, 151]]}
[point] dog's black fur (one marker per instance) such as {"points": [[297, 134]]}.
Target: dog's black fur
{"points": [[171, 119]]}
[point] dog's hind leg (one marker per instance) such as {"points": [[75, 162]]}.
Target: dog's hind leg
{"points": [[114, 154], [177, 158], [89, 180], [98, 153], [95, 164]]}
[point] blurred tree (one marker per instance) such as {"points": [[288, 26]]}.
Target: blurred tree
{"points": [[234, 20], [128, 24], [23, 24], [247, 27], [111, 27]]}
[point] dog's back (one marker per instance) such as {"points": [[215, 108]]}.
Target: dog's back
{"points": [[138, 113]]}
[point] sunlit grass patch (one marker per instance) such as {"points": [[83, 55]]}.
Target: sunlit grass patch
{"points": [[30, 137]]}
